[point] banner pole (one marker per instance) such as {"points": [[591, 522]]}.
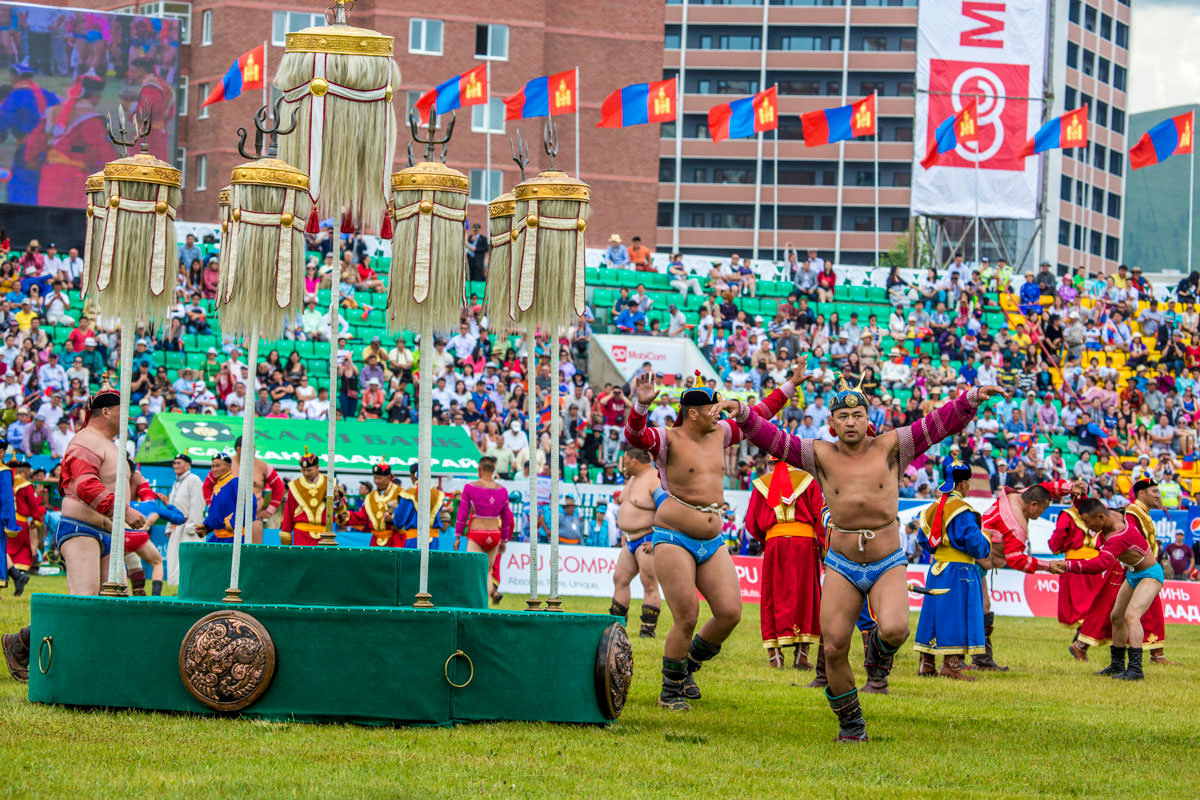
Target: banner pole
{"points": [[679, 85], [554, 602], [837, 220], [424, 458], [578, 111], [758, 159], [978, 154], [487, 168], [328, 537], [875, 105], [1191, 194], [266, 73], [775, 202], [533, 603]]}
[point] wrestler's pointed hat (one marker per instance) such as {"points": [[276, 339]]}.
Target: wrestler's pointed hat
{"points": [[953, 471], [699, 394], [848, 397], [308, 459]]}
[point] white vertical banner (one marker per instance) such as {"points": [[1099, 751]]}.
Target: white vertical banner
{"points": [[995, 51]]}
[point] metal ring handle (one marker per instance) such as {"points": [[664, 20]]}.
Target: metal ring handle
{"points": [[470, 663], [46, 645]]}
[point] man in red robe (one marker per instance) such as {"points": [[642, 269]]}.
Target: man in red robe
{"points": [[1076, 592], [304, 515], [72, 138], [785, 514], [23, 547]]}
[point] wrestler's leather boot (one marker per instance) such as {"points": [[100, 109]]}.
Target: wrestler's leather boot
{"points": [[952, 667], [675, 674], [156, 588], [1134, 671], [699, 651], [926, 665], [1117, 665], [16, 654], [775, 657], [878, 663], [649, 621], [137, 582], [19, 579], [1156, 655], [1079, 650], [986, 662], [618, 610], [819, 681], [801, 660], [851, 725]]}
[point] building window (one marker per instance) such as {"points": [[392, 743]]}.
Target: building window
{"points": [[1114, 205], [666, 170], [899, 224], [1069, 98], [902, 178], [874, 43], [410, 100], [1122, 37], [181, 96], [1099, 155], [181, 163], [903, 133], [1118, 120], [1089, 62], [1073, 11], [1064, 192], [425, 37], [1064, 232], [1078, 243], [1097, 240], [181, 12], [1072, 55], [491, 42], [905, 88], [671, 40], [1102, 66], [201, 96], [1112, 248], [1106, 27], [863, 224], [1089, 19], [486, 185], [206, 25], [201, 173], [1097, 199], [285, 22], [1116, 163], [908, 44], [488, 118], [1119, 77], [665, 216], [1101, 115]]}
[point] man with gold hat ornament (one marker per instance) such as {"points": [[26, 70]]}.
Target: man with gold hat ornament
{"points": [[304, 514], [859, 474], [375, 514], [951, 622]]}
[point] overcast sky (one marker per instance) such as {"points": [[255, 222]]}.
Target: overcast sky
{"points": [[1163, 69]]}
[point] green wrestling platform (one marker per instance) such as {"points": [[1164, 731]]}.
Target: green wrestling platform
{"points": [[312, 615]]}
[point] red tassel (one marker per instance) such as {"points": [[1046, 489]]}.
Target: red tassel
{"points": [[781, 481], [347, 224], [314, 223], [385, 230]]}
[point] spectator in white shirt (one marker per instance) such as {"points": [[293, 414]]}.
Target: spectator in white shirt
{"points": [[187, 494], [676, 322], [52, 376], [1084, 470], [72, 268], [463, 343], [60, 437], [55, 306]]}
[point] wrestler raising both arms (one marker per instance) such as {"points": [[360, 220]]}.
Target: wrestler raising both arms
{"points": [[640, 499], [689, 551], [859, 474], [87, 480], [1125, 543]]}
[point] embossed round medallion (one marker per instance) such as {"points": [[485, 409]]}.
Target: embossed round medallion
{"points": [[614, 670], [227, 660]]}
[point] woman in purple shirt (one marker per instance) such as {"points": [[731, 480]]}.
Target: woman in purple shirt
{"points": [[485, 516]]}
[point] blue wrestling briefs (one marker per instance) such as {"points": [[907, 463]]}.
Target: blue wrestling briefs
{"points": [[638, 542], [1154, 571], [864, 576], [69, 528], [701, 549]]}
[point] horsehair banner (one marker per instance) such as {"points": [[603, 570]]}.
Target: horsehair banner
{"points": [[994, 50]]}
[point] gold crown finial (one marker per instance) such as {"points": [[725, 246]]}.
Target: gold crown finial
{"points": [[699, 380]]}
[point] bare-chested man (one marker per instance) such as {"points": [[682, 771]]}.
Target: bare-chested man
{"points": [[265, 477], [689, 551], [89, 474], [859, 474], [640, 498]]}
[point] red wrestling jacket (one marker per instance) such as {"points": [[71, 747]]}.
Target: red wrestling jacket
{"points": [[1001, 525]]}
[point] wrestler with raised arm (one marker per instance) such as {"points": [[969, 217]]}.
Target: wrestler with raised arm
{"points": [[689, 551], [859, 474], [87, 481]]}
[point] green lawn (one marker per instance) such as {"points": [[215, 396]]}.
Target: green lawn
{"points": [[1046, 728]]}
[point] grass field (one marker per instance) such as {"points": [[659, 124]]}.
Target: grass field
{"points": [[1047, 728]]}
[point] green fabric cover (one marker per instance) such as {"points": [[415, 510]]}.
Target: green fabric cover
{"points": [[380, 665], [332, 576]]}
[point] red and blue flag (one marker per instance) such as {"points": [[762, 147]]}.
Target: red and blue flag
{"points": [[638, 104], [247, 72], [544, 97], [468, 89], [1170, 137], [957, 129], [829, 125], [1069, 130], [744, 117]]}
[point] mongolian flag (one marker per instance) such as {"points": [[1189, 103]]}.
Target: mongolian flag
{"points": [[745, 117], [1069, 130], [639, 103], [246, 73], [831, 125], [1167, 138], [467, 89], [961, 128], [544, 97]]}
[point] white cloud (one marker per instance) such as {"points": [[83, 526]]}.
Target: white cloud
{"points": [[1163, 69]]}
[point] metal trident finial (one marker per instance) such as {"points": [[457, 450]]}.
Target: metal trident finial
{"points": [[520, 153], [265, 125], [336, 14], [431, 139], [550, 139], [121, 134]]}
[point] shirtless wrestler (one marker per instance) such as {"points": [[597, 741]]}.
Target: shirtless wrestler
{"points": [[640, 498], [859, 474], [89, 474], [265, 477], [689, 550]]}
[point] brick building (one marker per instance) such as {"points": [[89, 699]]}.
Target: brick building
{"points": [[613, 44]]}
